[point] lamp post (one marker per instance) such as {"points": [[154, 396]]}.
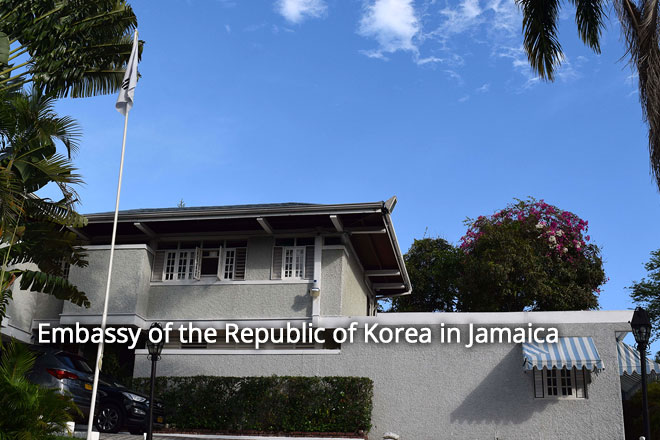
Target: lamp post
{"points": [[154, 354], [641, 328]]}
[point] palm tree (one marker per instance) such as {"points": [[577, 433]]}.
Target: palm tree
{"points": [[640, 27], [65, 47], [33, 229]]}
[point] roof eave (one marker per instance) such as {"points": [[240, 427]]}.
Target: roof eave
{"points": [[206, 213]]}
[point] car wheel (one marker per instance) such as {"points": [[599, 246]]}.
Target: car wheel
{"points": [[109, 418]]}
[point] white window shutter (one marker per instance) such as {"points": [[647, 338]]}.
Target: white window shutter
{"points": [[221, 263], [158, 266], [276, 270], [197, 267], [580, 387], [539, 388]]}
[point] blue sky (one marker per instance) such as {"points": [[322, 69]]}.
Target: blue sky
{"points": [[332, 101]]}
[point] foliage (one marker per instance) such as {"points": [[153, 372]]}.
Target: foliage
{"points": [[632, 413], [275, 403], [646, 292], [73, 47], [434, 266], [29, 411], [529, 256], [641, 31], [34, 230], [114, 364]]}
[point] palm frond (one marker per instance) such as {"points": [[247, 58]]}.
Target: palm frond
{"points": [[540, 36], [640, 29], [59, 213], [589, 17], [54, 285]]}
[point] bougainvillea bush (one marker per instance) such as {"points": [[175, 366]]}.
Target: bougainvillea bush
{"points": [[529, 256]]}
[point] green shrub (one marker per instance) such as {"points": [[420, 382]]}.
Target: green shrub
{"points": [[28, 411], [274, 403], [632, 413]]}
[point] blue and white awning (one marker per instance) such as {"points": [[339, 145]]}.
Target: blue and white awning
{"points": [[578, 352], [629, 362]]}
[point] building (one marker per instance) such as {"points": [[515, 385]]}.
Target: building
{"points": [[327, 265]]}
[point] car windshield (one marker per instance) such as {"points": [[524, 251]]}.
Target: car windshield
{"points": [[74, 362]]}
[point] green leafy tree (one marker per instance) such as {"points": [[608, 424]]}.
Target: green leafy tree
{"points": [[641, 30], [433, 265], [529, 256], [32, 229], [632, 413], [646, 292], [29, 411], [65, 47]]}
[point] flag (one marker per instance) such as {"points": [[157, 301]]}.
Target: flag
{"points": [[127, 91]]}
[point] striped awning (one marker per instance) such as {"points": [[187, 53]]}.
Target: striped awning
{"points": [[569, 352], [629, 362]]}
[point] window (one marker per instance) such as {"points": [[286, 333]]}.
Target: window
{"points": [[222, 259], [64, 267], [293, 258], [182, 265], [560, 383]]}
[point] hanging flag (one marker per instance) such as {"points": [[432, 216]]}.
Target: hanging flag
{"points": [[127, 91]]}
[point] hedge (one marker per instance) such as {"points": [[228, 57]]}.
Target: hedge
{"points": [[273, 403]]}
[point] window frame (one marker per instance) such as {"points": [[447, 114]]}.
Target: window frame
{"points": [[194, 267], [546, 374], [297, 251], [222, 268]]}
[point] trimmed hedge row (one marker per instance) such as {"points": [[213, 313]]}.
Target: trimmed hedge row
{"points": [[274, 403]]}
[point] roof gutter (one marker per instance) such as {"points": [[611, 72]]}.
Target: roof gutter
{"points": [[388, 207]]}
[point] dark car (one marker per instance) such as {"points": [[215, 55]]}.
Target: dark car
{"points": [[66, 372], [117, 407], [120, 408]]}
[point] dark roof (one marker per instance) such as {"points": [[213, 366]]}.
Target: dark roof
{"points": [[253, 206]]}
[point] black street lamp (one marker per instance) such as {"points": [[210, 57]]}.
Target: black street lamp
{"points": [[641, 328], [154, 354]]}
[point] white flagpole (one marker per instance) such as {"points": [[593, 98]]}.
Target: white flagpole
{"points": [[99, 353]]}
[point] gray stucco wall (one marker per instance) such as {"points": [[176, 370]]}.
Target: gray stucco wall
{"points": [[23, 307], [230, 301], [438, 391], [47, 307], [259, 258], [132, 292], [129, 287], [331, 281], [354, 293]]}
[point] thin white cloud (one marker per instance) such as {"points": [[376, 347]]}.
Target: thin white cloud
{"points": [[455, 76], [453, 60], [467, 15], [393, 24], [483, 89], [296, 11]]}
